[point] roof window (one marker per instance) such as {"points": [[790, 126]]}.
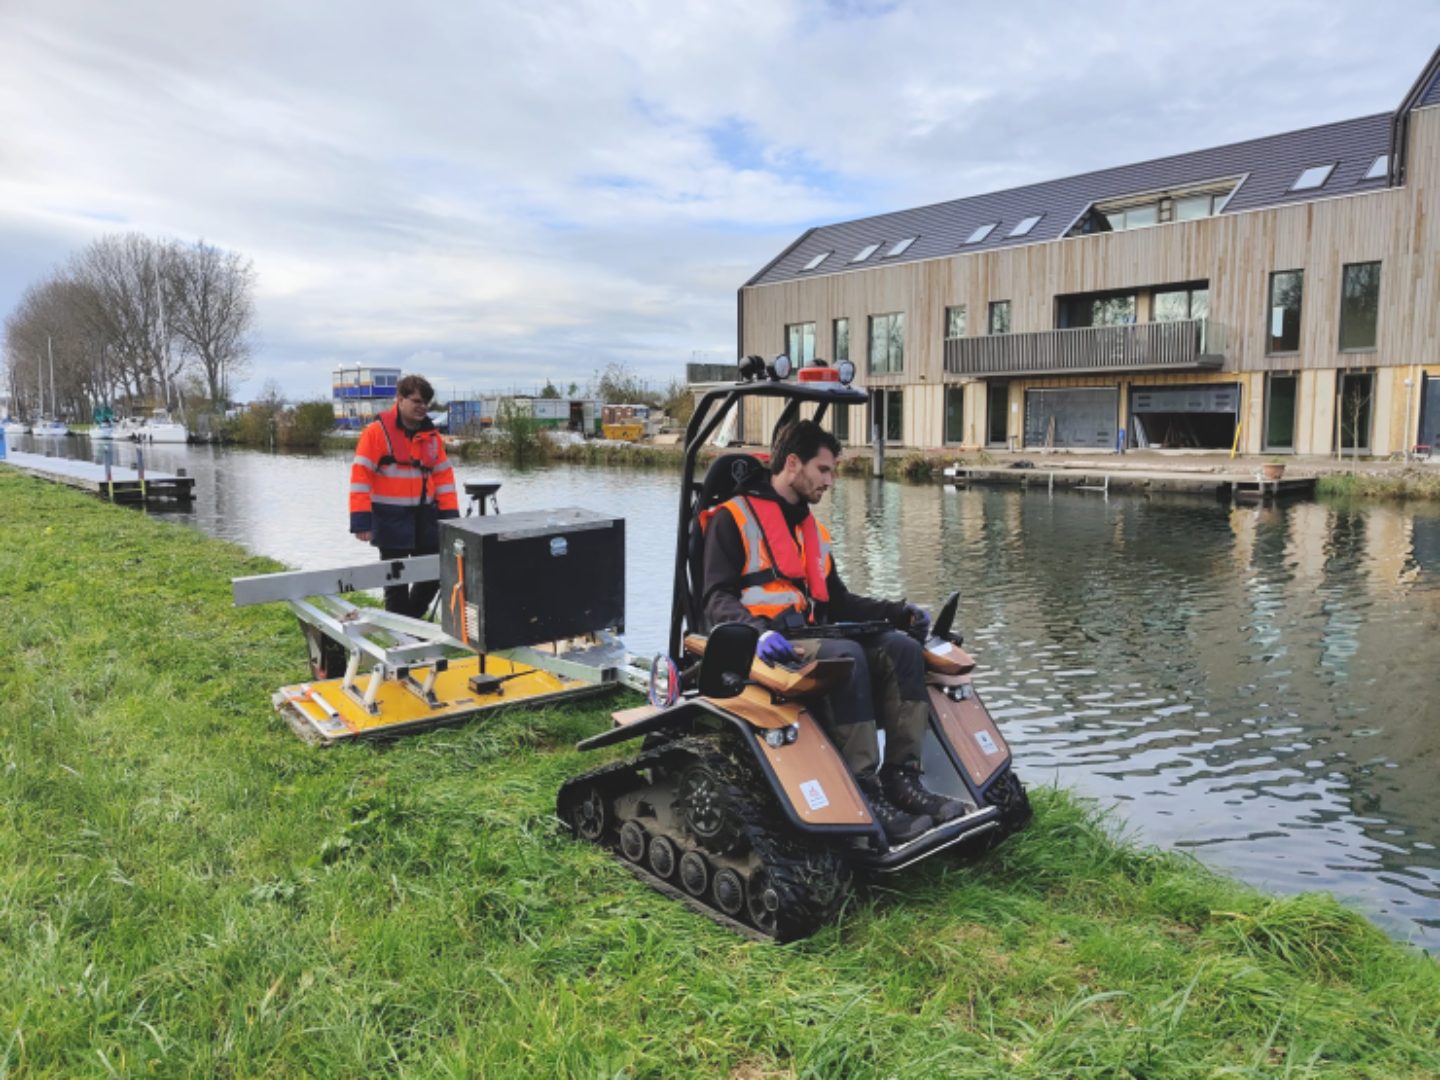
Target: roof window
{"points": [[1024, 226], [866, 252], [1379, 167], [981, 233], [902, 247], [1313, 177], [817, 260]]}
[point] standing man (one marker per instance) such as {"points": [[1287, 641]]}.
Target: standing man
{"points": [[768, 563], [401, 485]]}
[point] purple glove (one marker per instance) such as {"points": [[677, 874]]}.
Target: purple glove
{"points": [[775, 649]]}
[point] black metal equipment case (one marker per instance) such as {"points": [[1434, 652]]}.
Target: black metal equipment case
{"points": [[531, 577]]}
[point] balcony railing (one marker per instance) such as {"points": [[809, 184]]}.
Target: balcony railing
{"points": [[1189, 345]]}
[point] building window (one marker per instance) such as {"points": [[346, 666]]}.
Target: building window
{"points": [[840, 344], [894, 415], [1156, 208], [817, 260], [1024, 225], [955, 414], [887, 343], [1359, 305], [887, 412], [1000, 316], [981, 233], [865, 252], [1313, 177], [997, 409], [1097, 309], [1356, 398], [1178, 305], [800, 343], [1134, 217], [1286, 289], [902, 247], [840, 422], [1378, 168], [1280, 395], [955, 321]]}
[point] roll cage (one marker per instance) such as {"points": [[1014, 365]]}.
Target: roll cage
{"points": [[709, 414]]}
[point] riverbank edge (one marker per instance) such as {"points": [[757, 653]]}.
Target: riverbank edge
{"points": [[189, 889], [1381, 480]]}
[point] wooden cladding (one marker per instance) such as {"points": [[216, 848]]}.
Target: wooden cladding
{"points": [[1191, 343]]}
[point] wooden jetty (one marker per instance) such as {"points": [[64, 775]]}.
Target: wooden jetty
{"points": [[1235, 485], [119, 484]]}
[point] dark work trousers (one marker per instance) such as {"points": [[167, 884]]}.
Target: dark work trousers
{"points": [[886, 686], [413, 600]]}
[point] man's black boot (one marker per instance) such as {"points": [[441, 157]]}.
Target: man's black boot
{"points": [[903, 788], [900, 827]]}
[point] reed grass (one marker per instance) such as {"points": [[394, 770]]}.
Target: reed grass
{"points": [[188, 890]]}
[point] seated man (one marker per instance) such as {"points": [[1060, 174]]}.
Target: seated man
{"points": [[768, 563]]}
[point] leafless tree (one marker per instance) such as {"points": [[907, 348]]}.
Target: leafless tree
{"points": [[212, 313], [53, 351], [125, 274], [126, 318]]}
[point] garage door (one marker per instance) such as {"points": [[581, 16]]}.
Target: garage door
{"points": [[1078, 418], [1185, 417]]}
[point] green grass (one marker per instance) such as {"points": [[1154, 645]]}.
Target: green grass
{"points": [[188, 890], [1419, 482]]}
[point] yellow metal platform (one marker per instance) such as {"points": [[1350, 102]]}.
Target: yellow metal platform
{"points": [[324, 712]]}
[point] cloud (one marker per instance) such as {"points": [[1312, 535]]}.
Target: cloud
{"points": [[510, 193]]}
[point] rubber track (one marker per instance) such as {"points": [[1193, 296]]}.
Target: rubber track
{"points": [[811, 879]]}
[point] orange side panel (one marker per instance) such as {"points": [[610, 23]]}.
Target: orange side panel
{"points": [[968, 726], [815, 777]]}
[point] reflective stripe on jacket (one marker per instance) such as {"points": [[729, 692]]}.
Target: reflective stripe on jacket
{"points": [[780, 574], [401, 485]]}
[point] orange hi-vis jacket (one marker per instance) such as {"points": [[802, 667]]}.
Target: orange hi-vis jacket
{"points": [[401, 485], [781, 572]]}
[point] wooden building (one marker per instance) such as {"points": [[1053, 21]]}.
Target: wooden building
{"points": [[1281, 295]]}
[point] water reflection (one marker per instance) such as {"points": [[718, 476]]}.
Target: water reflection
{"points": [[1256, 685]]}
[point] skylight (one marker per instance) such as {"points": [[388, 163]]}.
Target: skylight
{"points": [[866, 252], [981, 233], [1379, 167], [902, 247], [1313, 177], [818, 259], [1026, 224]]}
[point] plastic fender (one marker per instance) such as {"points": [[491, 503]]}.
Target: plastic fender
{"points": [[969, 730]]}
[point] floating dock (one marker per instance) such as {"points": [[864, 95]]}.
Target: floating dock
{"points": [[1236, 485], [114, 482]]}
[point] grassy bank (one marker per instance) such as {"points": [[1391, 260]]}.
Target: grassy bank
{"points": [[188, 890], [1421, 482]]}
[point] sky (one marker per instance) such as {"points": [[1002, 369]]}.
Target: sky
{"points": [[496, 195]]}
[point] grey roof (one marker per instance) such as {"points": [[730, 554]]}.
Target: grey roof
{"points": [[1269, 165]]}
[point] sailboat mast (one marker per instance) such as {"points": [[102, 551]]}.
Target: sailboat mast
{"points": [[54, 401]]}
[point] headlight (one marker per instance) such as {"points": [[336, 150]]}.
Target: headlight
{"points": [[779, 367], [846, 370]]}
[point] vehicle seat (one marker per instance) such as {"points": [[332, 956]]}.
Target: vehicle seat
{"points": [[726, 475]]}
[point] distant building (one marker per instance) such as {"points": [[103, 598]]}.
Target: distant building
{"points": [[1279, 294], [361, 393]]}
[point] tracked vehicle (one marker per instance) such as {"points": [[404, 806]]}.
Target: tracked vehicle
{"points": [[738, 803]]}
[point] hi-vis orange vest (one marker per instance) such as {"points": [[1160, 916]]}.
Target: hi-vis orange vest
{"points": [[399, 485], [780, 574]]}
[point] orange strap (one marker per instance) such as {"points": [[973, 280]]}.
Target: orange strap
{"points": [[457, 597]]}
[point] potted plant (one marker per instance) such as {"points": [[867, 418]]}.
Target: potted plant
{"points": [[1273, 469]]}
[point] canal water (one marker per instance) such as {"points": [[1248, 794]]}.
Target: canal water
{"points": [[1257, 685]]}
